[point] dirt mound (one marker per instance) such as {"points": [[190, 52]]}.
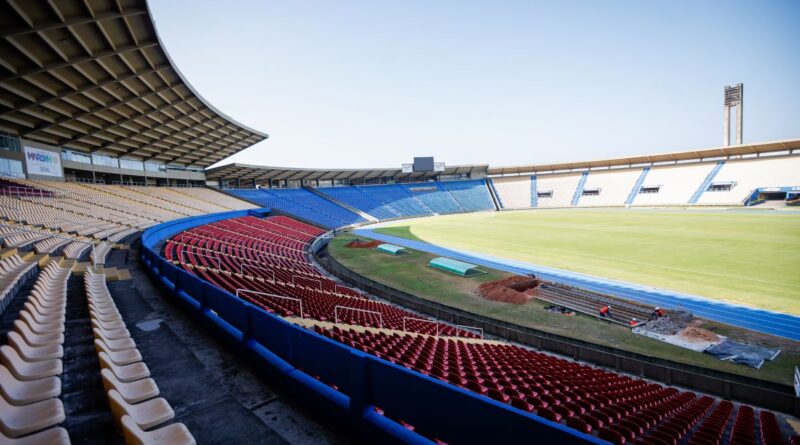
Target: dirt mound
{"points": [[500, 290], [699, 335], [363, 244]]}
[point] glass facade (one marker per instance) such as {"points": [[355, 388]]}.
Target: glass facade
{"points": [[9, 142], [153, 167], [105, 160], [11, 168], [74, 156], [131, 164]]}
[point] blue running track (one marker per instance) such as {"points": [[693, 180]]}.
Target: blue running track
{"points": [[775, 323]]}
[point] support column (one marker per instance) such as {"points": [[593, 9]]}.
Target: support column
{"points": [[726, 126], [740, 116]]}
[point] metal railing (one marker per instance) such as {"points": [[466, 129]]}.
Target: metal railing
{"points": [[252, 266], [265, 294], [436, 323], [336, 313], [469, 328], [27, 192], [182, 258], [797, 381], [306, 278]]}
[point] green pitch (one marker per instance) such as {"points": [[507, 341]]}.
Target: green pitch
{"points": [[747, 257]]}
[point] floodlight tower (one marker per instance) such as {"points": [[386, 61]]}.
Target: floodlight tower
{"points": [[733, 98]]}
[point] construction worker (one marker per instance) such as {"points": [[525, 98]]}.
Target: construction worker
{"points": [[657, 313], [633, 322], [605, 312]]}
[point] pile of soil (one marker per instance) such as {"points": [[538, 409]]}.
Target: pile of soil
{"points": [[699, 335], [363, 244], [663, 326], [499, 290]]}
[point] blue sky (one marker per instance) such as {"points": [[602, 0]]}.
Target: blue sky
{"points": [[374, 83]]}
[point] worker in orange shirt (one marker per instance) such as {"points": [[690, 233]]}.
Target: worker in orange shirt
{"points": [[605, 312], [633, 322]]}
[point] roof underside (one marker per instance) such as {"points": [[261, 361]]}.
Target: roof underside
{"points": [[260, 173], [722, 152], [93, 75]]}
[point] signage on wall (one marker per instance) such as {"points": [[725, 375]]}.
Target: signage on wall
{"points": [[42, 162]]}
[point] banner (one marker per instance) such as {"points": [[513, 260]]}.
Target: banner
{"points": [[43, 162]]}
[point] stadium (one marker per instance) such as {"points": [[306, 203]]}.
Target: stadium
{"points": [[155, 292]]}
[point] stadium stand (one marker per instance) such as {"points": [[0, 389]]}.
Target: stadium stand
{"points": [[514, 191], [557, 190], [263, 262], [675, 184], [396, 199], [132, 394], [746, 175], [301, 203], [472, 196], [435, 197], [355, 197], [612, 187]]}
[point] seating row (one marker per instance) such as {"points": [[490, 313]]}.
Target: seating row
{"points": [[137, 410], [31, 366]]}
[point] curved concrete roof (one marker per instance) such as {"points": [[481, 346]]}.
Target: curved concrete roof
{"points": [[93, 75]]}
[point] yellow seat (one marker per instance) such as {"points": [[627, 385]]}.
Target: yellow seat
{"points": [[145, 415], [132, 392], [19, 392], [18, 421], [173, 434]]}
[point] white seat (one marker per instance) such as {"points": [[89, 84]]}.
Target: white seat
{"points": [[146, 415], [132, 392], [51, 436], [17, 421], [20, 392], [28, 371], [173, 434], [126, 373]]}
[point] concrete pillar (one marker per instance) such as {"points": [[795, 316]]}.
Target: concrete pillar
{"points": [[740, 117], [726, 126]]}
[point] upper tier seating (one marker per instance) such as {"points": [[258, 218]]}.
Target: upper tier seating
{"points": [[614, 187], [514, 191], [562, 186], [303, 204], [751, 174]]}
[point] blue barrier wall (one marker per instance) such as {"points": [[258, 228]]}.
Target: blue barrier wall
{"points": [[300, 360]]}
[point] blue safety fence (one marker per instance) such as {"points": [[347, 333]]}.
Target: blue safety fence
{"points": [[301, 360]]}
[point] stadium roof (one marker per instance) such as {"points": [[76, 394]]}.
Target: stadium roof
{"points": [[93, 75], [264, 173], [722, 152]]}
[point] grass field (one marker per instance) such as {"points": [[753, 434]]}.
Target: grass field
{"points": [[410, 273], [750, 258]]}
